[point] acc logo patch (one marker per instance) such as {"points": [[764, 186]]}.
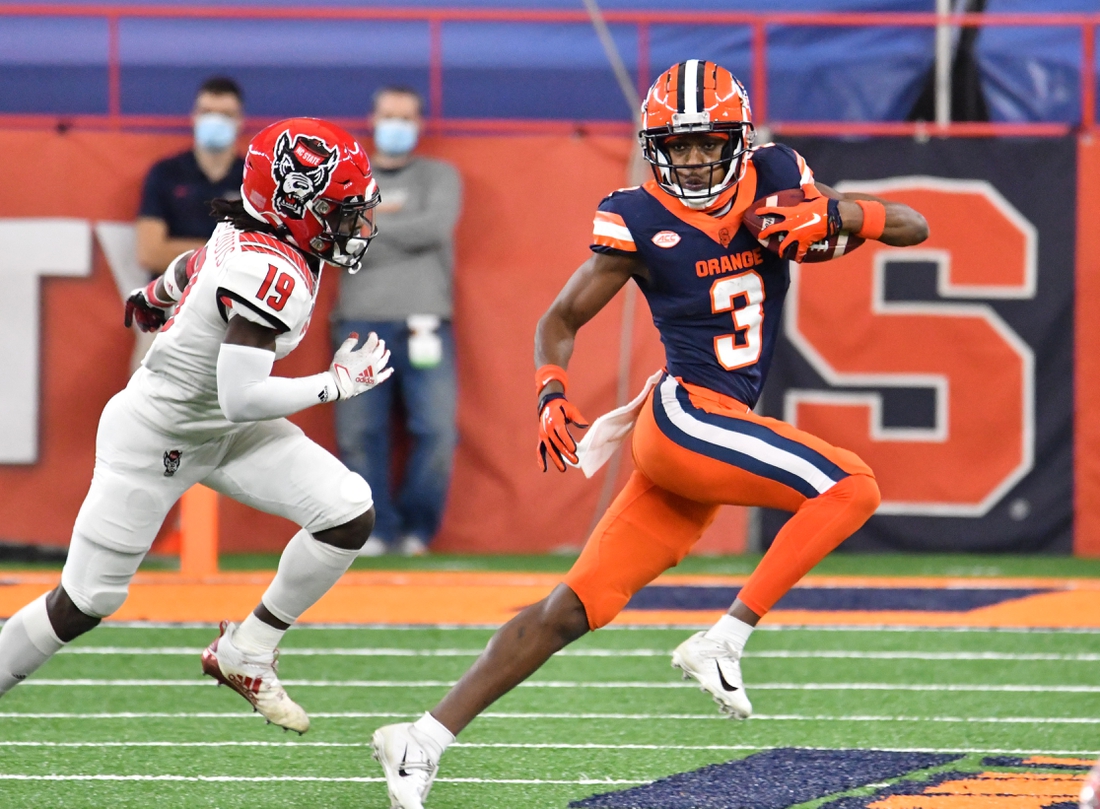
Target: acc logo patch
{"points": [[666, 238]]}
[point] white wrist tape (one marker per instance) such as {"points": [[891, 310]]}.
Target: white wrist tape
{"points": [[248, 392]]}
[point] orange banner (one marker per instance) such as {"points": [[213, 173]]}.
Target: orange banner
{"points": [[525, 227], [1086, 536]]}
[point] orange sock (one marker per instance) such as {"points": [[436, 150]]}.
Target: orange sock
{"points": [[819, 525]]}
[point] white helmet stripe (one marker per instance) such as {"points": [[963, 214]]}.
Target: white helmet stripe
{"points": [[691, 86]]}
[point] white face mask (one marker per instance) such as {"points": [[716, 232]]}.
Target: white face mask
{"points": [[395, 136], [215, 132]]}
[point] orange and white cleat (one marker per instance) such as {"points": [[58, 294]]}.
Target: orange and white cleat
{"points": [[257, 680]]}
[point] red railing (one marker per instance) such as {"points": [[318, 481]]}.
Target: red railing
{"points": [[759, 23]]}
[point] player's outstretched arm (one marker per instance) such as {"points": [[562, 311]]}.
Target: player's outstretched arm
{"points": [[587, 292], [248, 392], [903, 226]]}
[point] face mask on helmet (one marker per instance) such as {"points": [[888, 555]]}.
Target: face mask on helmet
{"points": [[341, 241], [719, 174]]}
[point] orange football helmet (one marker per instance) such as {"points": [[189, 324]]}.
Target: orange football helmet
{"points": [[689, 98]]}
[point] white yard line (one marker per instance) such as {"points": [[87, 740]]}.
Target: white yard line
{"points": [[569, 684], [993, 720], [480, 746], [311, 779], [781, 654]]}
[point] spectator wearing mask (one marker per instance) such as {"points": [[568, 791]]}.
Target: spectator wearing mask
{"points": [[175, 214], [403, 293]]}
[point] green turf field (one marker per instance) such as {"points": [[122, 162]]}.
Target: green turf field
{"points": [[127, 703]]}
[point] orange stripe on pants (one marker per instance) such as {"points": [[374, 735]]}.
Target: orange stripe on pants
{"points": [[674, 495]]}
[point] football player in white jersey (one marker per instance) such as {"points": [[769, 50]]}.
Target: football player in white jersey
{"points": [[204, 408]]}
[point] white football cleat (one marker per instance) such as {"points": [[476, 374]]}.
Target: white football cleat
{"points": [[1090, 792], [717, 669], [255, 679], [374, 547], [408, 766], [413, 545]]}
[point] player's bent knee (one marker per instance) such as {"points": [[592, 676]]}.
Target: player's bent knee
{"points": [[565, 614], [97, 601], [352, 535]]}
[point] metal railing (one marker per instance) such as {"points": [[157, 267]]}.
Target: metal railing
{"points": [[435, 18]]}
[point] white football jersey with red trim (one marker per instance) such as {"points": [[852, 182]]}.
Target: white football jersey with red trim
{"points": [[252, 275]]}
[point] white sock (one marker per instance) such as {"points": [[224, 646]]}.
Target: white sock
{"points": [[432, 734], [26, 642], [307, 570], [731, 631], [255, 638]]}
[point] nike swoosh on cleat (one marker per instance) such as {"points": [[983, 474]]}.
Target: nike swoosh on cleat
{"points": [[401, 766], [725, 686]]}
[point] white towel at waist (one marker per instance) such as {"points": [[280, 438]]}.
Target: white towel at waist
{"points": [[609, 430]]}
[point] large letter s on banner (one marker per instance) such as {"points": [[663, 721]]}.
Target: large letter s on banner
{"points": [[30, 249], [982, 372]]}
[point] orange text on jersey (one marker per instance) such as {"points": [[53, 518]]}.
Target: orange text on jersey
{"points": [[731, 263]]}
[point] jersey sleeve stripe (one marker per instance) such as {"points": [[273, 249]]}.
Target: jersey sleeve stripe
{"points": [[612, 231], [806, 175], [227, 299], [306, 276]]}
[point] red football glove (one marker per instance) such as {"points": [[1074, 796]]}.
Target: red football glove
{"points": [[813, 219], [556, 413], [144, 307]]}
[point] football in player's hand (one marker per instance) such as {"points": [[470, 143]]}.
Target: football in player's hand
{"points": [[823, 250]]}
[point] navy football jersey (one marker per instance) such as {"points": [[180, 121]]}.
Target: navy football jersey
{"points": [[715, 293]]}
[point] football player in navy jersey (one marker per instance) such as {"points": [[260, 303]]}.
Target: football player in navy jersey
{"points": [[716, 296]]}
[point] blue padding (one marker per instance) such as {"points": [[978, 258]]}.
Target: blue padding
{"points": [[846, 74], [728, 46], [524, 70], [314, 91], [59, 41], [829, 599], [282, 45], [491, 70], [1032, 74], [775, 779], [54, 90]]}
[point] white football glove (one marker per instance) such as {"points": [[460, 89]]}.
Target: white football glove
{"points": [[357, 370]]}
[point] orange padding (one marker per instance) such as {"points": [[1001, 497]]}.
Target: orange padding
{"points": [[462, 598]]}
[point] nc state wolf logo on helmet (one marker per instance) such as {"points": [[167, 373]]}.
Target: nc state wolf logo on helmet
{"points": [[301, 169]]}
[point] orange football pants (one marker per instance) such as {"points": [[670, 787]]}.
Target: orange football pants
{"points": [[680, 481]]}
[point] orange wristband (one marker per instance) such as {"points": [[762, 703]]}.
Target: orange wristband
{"points": [[874, 219], [550, 373]]}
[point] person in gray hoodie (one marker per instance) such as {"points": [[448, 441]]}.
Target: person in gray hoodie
{"points": [[404, 294]]}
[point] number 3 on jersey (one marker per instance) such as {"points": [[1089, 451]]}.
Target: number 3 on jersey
{"points": [[743, 347], [280, 284]]}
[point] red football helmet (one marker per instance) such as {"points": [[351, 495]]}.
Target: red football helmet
{"points": [[696, 97], [312, 181]]}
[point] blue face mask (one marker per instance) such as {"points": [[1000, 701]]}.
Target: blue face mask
{"points": [[215, 132], [395, 136]]}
